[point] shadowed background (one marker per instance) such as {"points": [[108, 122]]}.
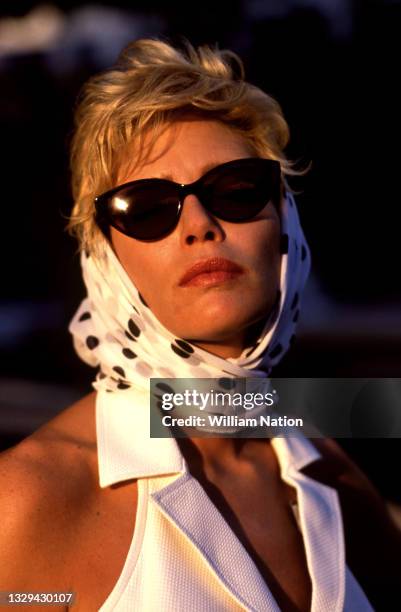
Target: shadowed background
{"points": [[331, 65]]}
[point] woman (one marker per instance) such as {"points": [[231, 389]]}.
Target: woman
{"points": [[202, 281]]}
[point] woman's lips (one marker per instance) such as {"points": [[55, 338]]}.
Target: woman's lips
{"points": [[211, 278], [209, 272]]}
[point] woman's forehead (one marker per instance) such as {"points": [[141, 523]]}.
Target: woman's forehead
{"points": [[192, 145]]}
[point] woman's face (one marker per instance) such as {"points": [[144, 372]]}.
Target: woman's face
{"points": [[219, 315]]}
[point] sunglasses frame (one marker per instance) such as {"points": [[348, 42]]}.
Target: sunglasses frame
{"points": [[102, 202]]}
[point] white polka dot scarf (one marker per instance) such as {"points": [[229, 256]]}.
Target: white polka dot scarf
{"points": [[115, 330]]}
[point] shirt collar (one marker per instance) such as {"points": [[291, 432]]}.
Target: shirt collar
{"points": [[126, 450]]}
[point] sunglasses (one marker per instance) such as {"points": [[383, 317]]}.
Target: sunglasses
{"points": [[150, 209]]}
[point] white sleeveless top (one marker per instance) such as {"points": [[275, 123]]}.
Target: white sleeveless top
{"points": [[184, 555]]}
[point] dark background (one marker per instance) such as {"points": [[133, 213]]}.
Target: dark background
{"points": [[334, 68]]}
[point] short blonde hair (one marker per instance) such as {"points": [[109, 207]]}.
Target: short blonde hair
{"points": [[153, 83]]}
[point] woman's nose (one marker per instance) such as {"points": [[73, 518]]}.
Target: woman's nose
{"points": [[198, 224]]}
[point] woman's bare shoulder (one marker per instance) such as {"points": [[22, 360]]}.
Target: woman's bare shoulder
{"points": [[45, 480], [65, 443]]}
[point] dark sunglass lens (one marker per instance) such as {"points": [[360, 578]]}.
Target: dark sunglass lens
{"points": [[145, 212], [242, 193]]}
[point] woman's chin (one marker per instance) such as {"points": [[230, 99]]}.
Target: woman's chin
{"points": [[217, 335]]}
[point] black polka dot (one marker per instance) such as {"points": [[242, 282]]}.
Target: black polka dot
{"points": [[134, 329], [295, 317], [92, 342], [284, 244], [87, 253], [179, 351], [276, 351], [294, 301], [303, 253], [226, 383], [123, 385], [184, 345], [136, 309], [130, 337], [142, 300], [128, 353], [164, 387], [119, 371], [84, 316], [251, 350], [102, 375]]}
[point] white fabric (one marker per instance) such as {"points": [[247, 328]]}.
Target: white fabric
{"points": [[183, 555]]}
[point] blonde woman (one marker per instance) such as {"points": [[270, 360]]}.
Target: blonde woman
{"points": [[194, 262]]}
